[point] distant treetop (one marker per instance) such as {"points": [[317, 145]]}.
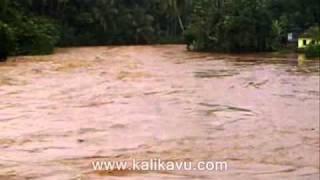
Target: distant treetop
{"points": [[312, 32]]}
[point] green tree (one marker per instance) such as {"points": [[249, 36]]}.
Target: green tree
{"points": [[233, 26], [7, 41]]}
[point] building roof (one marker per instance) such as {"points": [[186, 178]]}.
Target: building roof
{"points": [[313, 32]]}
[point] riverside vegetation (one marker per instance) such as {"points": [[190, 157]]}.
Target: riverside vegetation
{"points": [[37, 26]]}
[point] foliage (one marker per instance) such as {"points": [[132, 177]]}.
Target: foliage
{"points": [[36, 36], [7, 41], [313, 51], [100, 22], [233, 26], [40, 25], [36, 26], [248, 25]]}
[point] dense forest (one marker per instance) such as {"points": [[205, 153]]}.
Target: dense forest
{"points": [[37, 26]]}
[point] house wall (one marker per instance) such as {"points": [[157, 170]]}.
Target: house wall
{"points": [[300, 42]]}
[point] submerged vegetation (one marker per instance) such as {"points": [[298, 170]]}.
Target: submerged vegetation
{"points": [[37, 26]]}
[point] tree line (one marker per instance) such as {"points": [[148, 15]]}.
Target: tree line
{"points": [[249, 25], [37, 26]]}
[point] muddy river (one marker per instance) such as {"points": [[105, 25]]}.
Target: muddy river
{"points": [[59, 113]]}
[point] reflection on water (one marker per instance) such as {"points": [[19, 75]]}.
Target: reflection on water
{"points": [[301, 60], [59, 113]]}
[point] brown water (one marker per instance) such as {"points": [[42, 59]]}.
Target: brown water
{"points": [[258, 112]]}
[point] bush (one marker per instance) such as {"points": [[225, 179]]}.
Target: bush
{"points": [[313, 51], [36, 36], [7, 41]]}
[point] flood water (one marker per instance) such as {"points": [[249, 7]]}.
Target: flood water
{"points": [[258, 112]]}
